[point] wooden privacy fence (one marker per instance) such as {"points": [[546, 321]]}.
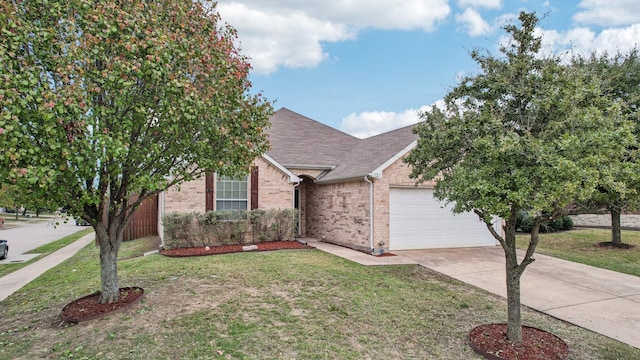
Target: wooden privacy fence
{"points": [[144, 221]]}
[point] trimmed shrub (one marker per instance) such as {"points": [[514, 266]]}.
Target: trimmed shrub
{"points": [[223, 227], [259, 225], [228, 227], [525, 223], [567, 223], [181, 230], [273, 224]]}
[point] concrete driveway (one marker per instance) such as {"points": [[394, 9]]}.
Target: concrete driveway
{"points": [[600, 300], [28, 236]]}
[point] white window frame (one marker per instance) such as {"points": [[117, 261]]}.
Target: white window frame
{"points": [[221, 188]]}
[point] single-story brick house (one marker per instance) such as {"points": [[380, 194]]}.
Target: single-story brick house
{"points": [[349, 191]]}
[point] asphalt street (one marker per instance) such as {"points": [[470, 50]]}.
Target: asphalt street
{"points": [[28, 236]]}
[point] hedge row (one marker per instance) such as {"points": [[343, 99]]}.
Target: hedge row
{"points": [[525, 223], [215, 228]]}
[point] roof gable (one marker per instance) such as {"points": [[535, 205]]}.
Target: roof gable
{"points": [[298, 141], [371, 154]]}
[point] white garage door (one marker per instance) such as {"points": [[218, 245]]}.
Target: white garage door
{"points": [[417, 220]]}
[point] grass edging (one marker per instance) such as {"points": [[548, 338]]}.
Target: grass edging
{"points": [[43, 251]]}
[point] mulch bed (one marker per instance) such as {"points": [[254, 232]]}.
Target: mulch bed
{"points": [[88, 308], [226, 249], [491, 341], [611, 245]]}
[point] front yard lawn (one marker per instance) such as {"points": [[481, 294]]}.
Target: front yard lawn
{"points": [[288, 304], [579, 245]]}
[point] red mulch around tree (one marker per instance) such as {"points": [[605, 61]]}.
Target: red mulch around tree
{"points": [[491, 342], [226, 249], [88, 308], [611, 245]]}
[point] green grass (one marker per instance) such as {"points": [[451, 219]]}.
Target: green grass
{"points": [[11, 221], [43, 250], [137, 248], [579, 246], [292, 304]]}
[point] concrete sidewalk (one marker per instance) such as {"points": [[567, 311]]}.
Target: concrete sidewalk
{"points": [[600, 300], [357, 256], [19, 278]]}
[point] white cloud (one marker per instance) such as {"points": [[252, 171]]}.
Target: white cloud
{"points": [[370, 123], [608, 12], [473, 22], [584, 40], [273, 40], [489, 4], [579, 40], [290, 33]]}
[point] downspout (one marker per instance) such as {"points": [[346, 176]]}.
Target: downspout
{"points": [[293, 205], [160, 216], [366, 178]]}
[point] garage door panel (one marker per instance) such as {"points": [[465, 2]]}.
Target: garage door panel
{"points": [[417, 220]]}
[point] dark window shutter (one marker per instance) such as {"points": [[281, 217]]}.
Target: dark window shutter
{"points": [[254, 187], [209, 192]]}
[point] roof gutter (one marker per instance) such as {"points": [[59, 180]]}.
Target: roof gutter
{"points": [[293, 206], [309, 167], [372, 175], [293, 178]]}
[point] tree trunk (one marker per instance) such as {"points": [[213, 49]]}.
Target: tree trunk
{"points": [[514, 319], [513, 269], [616, 236], [109, 247]]}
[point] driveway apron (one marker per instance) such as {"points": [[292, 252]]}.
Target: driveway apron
{"points": [[600, 300]]}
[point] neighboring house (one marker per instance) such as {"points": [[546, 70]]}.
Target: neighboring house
{"points": [[349, 191]]}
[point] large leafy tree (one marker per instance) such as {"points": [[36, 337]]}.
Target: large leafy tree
{"points": [[619, 76], [524, 133], [101, 100], [10, 197], [13, 197]]}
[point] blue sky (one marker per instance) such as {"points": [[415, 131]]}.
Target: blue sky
{"points": [[366, 67]]}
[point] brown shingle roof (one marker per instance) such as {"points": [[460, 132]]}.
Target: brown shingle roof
{"points": [[298, 141], [371, 153]]}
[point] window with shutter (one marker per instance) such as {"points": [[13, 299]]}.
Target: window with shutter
{"points": [[254, 187], [231, 193], [209, 192]]}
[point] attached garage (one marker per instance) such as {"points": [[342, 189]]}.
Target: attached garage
{"points": [[417, 220]]}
